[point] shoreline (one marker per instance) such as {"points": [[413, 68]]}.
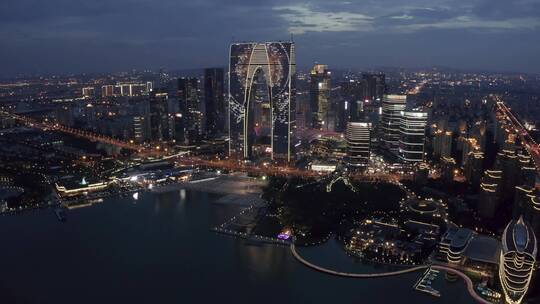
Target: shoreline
{"points": [[468, 281]]}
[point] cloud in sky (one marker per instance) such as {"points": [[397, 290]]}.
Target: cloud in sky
{"points": [[103, 35], [304, 18], [301, 19]]}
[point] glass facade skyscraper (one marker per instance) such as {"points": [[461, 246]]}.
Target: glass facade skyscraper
{"points": [[392, 107], [412, 136], [190, 107], [214, 101], [261, 73], [319, 95]]}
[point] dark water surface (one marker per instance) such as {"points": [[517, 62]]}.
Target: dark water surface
{"points": [[159, 249]]}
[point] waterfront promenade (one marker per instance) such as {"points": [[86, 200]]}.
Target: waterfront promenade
{"points": [[353, 275], [468, 281]]}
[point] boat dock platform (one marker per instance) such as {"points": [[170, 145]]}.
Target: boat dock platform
{"points": [[424, 282]]}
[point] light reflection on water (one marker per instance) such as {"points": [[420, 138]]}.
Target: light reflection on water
{"points": [[161, 250]]}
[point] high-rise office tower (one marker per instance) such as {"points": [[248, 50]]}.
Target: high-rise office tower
{"points": [[190, 108], [442, 143], [159, 116], [392, 107], [273, 62], [374, 86], [490, 193], [518, 255], [474, 168], [353, 91], [358, 144], [319, 93], [412, 136], [215, 112]]}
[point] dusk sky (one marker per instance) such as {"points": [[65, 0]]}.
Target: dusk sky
{"points": [[63, 36]]}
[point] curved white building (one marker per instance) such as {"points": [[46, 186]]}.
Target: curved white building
{"points": [[517, 260]]}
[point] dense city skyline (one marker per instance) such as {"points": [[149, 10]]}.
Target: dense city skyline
{"points": [[103, 36], [393, 144]]}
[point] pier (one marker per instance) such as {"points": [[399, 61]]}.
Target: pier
{"points": [[424, 282]]}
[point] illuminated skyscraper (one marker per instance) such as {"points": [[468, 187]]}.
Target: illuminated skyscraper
{"points": [[374, 86], [320, 96], [273, 62], [517, 260], [214, 101], [392, 107], [190, 108], [358, 143], [490, 193], [159, 116], [412, 136], [509, 163]]}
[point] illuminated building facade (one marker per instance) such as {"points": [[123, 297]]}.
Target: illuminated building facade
{"points": [[517, 260], [88, 92], [159, 116], [262, 73], [319, 91], [107, 91], [358, 137], [454, 247], [392, 107], [412, 136], [190, 108], [490, 193]]}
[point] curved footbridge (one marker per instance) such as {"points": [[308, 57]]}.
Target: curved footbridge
{"points": [[353, 275], [470, 285]]}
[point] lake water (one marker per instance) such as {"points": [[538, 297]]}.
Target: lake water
{"points": [[159, 249]]}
